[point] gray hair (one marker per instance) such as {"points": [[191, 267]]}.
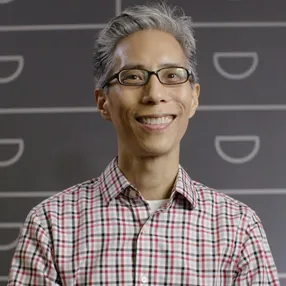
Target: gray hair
{"points": [[158, 16]]}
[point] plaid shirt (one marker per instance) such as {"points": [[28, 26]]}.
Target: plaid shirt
{"points": [[101, 232]]}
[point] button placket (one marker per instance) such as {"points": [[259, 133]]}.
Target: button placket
{"points": [[146, 228], [141, 214]]}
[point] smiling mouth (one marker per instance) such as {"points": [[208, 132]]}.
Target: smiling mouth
{"points": [[156, 120]]}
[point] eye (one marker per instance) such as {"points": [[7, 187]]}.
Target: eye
{"points": [[132, 76], [172, 75]]}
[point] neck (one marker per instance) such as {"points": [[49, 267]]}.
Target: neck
{"points": [[152, 176]]}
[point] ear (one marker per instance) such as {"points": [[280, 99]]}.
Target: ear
{"points": [[102, 103], [195, 99]]}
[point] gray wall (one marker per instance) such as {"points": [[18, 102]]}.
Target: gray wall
{"points": [[51, 137]]}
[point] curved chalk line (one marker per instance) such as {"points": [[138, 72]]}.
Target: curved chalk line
{"points": [[16, 158], [241, 160], [240, 76], [18, 71]]}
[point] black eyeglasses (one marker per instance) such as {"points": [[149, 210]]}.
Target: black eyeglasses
{"points": [[138, 77]]}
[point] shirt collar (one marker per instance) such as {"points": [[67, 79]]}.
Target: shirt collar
{"points": [[185, 186], [112, 182]]}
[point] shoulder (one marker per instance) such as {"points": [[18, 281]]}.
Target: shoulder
{"points": [[69, 202], [82, 191], [220, 204]]}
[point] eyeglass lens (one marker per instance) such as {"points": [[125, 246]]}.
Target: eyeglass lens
{"points": [[173, 75]]}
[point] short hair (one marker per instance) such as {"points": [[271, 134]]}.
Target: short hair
{"points": [[159, 16]]}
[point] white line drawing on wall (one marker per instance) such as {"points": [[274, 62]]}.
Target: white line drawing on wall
{"points": [[20, 143], [118, 7], [12, 195], [239, 25], [60, 27], [43, 194], [251, 107], [282, 275], [237, 138], [10, 225], [91, 26], [20, 60], [90, 109], [44, 110], [5, 1], [220, 55], [256, 192]]}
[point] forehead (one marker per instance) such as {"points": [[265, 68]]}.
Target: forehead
{"points": [[150, 49]]}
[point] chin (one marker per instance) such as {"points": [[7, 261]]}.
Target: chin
{"points": [[157, 150]]}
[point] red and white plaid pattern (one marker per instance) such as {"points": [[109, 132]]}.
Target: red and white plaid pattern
{"points": [[99, 233]]}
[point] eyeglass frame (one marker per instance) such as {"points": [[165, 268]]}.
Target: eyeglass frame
{"points": [[116, 75]]}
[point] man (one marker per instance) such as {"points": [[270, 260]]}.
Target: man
{"points": [[144, 220]]}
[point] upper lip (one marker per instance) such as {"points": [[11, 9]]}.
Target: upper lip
{"points": [[155, 115]]}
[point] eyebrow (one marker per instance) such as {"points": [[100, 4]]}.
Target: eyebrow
{"points": [[140, 66]]}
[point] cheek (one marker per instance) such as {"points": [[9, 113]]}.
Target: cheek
{"points": [[182, 125], [184, 106], [115, 102], [120, 110]]}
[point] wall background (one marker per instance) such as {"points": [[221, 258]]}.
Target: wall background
{"points": [[51, 136]]}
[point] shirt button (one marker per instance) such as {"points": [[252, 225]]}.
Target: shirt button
{"points": [[146, 228], [132, 194], [144, 279]]}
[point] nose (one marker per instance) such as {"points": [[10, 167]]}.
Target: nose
{"points": [[154, 91]]}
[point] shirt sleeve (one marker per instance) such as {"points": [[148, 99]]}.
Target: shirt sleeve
{"points": [[33, 262], [256, 265]]}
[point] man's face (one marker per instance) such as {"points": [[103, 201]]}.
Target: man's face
{"points": [[123, 105]]}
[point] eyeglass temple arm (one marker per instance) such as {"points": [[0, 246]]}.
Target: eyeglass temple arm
{"points": [[108, 80]]}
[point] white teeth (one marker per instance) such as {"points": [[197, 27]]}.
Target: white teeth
{"points": [[156, 121]]}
